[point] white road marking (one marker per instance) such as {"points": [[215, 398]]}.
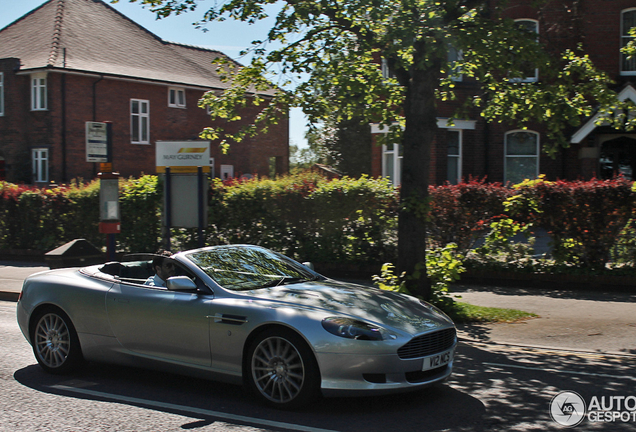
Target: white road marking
{"points": [[186, 409], [500, 365]]}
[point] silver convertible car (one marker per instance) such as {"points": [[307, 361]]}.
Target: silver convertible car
{"points": [[242, 314]]}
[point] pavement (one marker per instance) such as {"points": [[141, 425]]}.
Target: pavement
{"points": [[568, 319]]}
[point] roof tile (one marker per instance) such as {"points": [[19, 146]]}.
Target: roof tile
{"points": [[91, 36]]}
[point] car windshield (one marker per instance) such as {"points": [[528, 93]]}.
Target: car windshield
{"points": [[241, 268]]}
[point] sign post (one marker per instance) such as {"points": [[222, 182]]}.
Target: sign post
{"points": [[99, 145], [185, 166]]}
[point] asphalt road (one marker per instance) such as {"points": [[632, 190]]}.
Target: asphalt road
{"points": [[494, 388], [504, 378]]}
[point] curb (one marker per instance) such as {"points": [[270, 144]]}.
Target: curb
{"points": [[9, 296], [468, 340]]}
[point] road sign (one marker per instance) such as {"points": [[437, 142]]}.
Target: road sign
{"points": [[96, 142]]}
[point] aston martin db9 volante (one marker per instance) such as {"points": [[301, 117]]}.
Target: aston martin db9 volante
{"points": [[241, 314]]}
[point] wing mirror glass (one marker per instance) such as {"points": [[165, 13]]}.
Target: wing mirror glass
{"points": [[180, 283]]}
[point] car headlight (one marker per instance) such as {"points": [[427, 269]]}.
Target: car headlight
{"points": [[352, 329]]}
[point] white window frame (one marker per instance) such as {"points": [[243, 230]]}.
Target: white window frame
{"points": [[227, 170], [458, 158], [140, 119], [392, 169], [39, 92], [508, 158], [176, 97], [625, 37], [534, 78], [40, 164], [1, 94], [387, 72]]}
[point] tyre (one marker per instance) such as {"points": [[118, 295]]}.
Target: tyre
{"points": [[55, 342], [281, 369]]}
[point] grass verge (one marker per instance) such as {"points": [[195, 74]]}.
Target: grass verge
{"points": [[467, 313]]}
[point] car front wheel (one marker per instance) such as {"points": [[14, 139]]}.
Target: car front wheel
{"points": [[55, 342], [282, 369]]}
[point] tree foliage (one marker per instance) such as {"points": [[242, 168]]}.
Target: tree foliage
{"points": [[333, 48]]}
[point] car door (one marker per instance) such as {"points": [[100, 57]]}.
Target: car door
{"points": [[159, 323]]}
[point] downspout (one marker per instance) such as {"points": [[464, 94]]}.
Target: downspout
{"points": [[101, 77], [63, 85], [487, 146]]}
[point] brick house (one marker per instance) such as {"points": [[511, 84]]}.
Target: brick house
{"points": [[504, 152], [72, 61]]}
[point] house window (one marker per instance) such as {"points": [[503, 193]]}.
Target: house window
{"points": [[40, 164], [227, 172], [628, 20], [521, 156], [454, 58], [531, 73], [392, 163], [387, 72], [139, 121], [454, 151], [1, 94], [176, 98], [38, 92]]}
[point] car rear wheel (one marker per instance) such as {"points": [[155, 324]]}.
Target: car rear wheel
{"points": [[282, 370], [55, 342]]}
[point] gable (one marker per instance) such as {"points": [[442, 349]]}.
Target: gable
{"points": [[628, 92]]}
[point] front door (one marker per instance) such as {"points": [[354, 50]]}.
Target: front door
{"points": [[618, 157]]}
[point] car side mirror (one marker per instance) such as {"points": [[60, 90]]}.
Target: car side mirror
{"points": [[310, 265], [180, 283]]}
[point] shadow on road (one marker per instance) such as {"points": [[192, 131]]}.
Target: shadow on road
{"points": [[493, 388]]}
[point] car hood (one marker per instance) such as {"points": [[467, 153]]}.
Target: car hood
{"points": [[389, 309]]}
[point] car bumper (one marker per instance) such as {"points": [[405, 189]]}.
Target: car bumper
{"points": [[363, 374]]}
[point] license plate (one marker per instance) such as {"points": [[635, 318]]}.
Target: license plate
{"points": [[437, 360]]}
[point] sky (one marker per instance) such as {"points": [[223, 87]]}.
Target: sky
{"points": [[229, 37]]}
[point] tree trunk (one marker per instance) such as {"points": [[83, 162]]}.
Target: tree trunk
{"points": [[419, 133]]}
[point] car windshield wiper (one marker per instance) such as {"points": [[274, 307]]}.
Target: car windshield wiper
{"points": [[290, 279]]}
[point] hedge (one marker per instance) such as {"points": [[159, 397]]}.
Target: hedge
{"points": [[351, 221]]}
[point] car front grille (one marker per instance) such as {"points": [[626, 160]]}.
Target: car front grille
{"points": [[428, 344]]}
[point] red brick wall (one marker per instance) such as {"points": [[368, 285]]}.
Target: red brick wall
{"points": [[562, 25], [22, 129]]}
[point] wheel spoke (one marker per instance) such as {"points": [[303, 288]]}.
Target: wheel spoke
{"points": [[52, 340], [277, 369]]}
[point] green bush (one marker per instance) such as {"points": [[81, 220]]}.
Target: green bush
{"points": [[584, 218], [344, 221], [308, 217], [462, 213], [140, 201]]}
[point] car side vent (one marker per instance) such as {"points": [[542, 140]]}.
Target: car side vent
{"points": [[428, 344], [230, 319]]}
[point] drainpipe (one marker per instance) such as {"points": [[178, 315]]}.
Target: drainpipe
{"points": [[63, 85], [101, 77]]}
